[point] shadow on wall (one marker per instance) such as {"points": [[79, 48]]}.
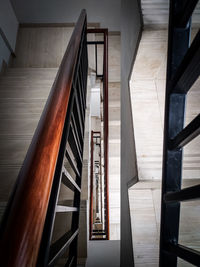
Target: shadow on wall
{"points": [[103, 254]]}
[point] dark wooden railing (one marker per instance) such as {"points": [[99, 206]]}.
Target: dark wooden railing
{"points": [[27, 225], [104, 78], [183, 69]]}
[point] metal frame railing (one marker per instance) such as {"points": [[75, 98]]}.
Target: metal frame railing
{"points": [[183, 69]]}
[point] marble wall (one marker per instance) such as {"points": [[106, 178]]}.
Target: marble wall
{"points": [[147, 87], [131, 25], [145, 199]]}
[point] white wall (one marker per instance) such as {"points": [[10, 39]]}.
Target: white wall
{"points": [[4, 52], [103, 254], [66, 11], [9, 25], [130, 35]]}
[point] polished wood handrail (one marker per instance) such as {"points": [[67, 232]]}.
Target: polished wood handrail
{"points": [[104, 31], [22, 232]]}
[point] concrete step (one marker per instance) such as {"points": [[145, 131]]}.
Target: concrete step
{"points": [[25, 73], [21, 106], [114, 104], [27, 92], [114, 196], [145, 200], [114, 131], [30, 70], [8, 174], [23, 94], [114, 181], [114, 91], [113, 109], [30, 73], [20, 116], [115, 231], [114, 113], [114, 148], [28, 76], [13, 150], [19, 126], [41, 46], [114, 165], [25, 82]]}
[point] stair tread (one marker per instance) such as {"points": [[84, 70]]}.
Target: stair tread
{"points": [[23, 94]]}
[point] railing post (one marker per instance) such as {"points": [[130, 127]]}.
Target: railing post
{"points": [[178, 43]]}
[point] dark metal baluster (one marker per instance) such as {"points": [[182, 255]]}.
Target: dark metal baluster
{"points": [[80, 98], [72, 259], [77, 130], [49, 223], [178, 43], [77, 119]]}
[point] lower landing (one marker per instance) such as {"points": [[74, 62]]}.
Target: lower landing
{"points": [[145, 199]]}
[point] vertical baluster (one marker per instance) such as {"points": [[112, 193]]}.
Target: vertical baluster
{"points": [[178, 43]]}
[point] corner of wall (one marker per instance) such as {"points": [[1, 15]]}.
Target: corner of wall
{"points": [[131, 30], [8, 33]]}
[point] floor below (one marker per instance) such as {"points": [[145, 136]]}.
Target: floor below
{"points": [[145, 199]]}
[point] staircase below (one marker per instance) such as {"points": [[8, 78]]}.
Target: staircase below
{"points": [[147, 88], [145, 200]]}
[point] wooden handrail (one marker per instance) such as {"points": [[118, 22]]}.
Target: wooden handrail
{"points": [[24, 222]]}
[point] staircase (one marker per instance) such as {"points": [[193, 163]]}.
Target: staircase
{"points": [[24, 90], [23, 94]]}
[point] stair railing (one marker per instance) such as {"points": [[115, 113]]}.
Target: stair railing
{"points": [[27, 225], [97, 190], [183, 69], [104, 78]]}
